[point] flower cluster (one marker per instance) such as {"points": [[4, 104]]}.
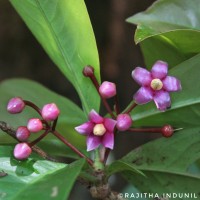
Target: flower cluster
{"points": [[155, 85], [49, 113], [100, 131]]}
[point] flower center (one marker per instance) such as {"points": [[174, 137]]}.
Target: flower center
{"points": [[99, 130], [156, 84]]}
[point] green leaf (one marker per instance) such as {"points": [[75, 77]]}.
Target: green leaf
{"points": [[154, 48], [166, 162], [70, 116], [59, 149], [171, 29], [120, 166], [184, 111], [64, 30], [36, 179]]}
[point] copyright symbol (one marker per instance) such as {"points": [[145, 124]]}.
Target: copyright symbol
{"points": [[120, 195]]}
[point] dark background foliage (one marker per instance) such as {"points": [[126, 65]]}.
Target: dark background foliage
{"points": [[22, 56]]}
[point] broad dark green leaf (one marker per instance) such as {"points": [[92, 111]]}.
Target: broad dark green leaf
{"points": [[185, 107], [36, 179], [64, 30], [155, 48], [166, 164], [119, 166], [70, 116], [174, 24]]}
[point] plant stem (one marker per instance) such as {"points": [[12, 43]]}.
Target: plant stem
{"points": [[32, 105], [150, 130], [106, 155], [98, 165], [61, 138], [12, 132], [131, 107], [117, 109], [39, 138], [54, 124], [96, 84]]}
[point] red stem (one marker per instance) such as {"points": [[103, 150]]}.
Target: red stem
{"points": [[34, 142], [32, 105], [54, 124], [131, 107], [61, 138], [106, 155], [96, 84], [150, 130], [117, 109]]}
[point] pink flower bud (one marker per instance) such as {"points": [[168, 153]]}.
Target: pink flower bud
{"points": [[34, 125], [88, 71], [15, 105], [50, 112], [124, 122], [107, 89], [22, 133], [22, 151]]}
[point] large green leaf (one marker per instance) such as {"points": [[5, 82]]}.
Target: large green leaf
{"points": [[70, 116], [64, 30], [166, 164], [174, 24], [185, 107], [36, 179]]}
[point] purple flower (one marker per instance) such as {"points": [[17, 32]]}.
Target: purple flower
{"points": [[155, 85], [98, 130]]}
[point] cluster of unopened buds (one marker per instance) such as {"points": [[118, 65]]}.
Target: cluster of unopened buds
{"points": [[101, 131], [49, 113]]}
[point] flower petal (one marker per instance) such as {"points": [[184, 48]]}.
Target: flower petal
{"points": [[85, 128], [109, 124], [93, 142], [141, 76], [171, 84], [162, 100], [95, 117], [143, 95], [159, 69], [108, 140]]}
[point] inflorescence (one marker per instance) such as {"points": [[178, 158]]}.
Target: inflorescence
{"points": [[100, 131]]}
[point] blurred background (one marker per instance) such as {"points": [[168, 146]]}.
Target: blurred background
{"points": [[22, 56]]}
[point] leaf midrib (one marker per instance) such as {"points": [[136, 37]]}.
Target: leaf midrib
{"points": [[141, 116], [169, 172], [65, 58]]}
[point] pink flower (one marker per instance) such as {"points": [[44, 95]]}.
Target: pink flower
{"points": [[98, 130], [155, 85]]}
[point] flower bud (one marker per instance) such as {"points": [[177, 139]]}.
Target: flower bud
{"points": [[107, 89], [15, 105], [88, 71], [34, 125], [22, 133], [50, 112], [124, 122], [167, 131], [22, 151]]}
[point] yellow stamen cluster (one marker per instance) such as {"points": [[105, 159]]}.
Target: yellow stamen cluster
{"points": [[156, 84], [99, 130]]}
